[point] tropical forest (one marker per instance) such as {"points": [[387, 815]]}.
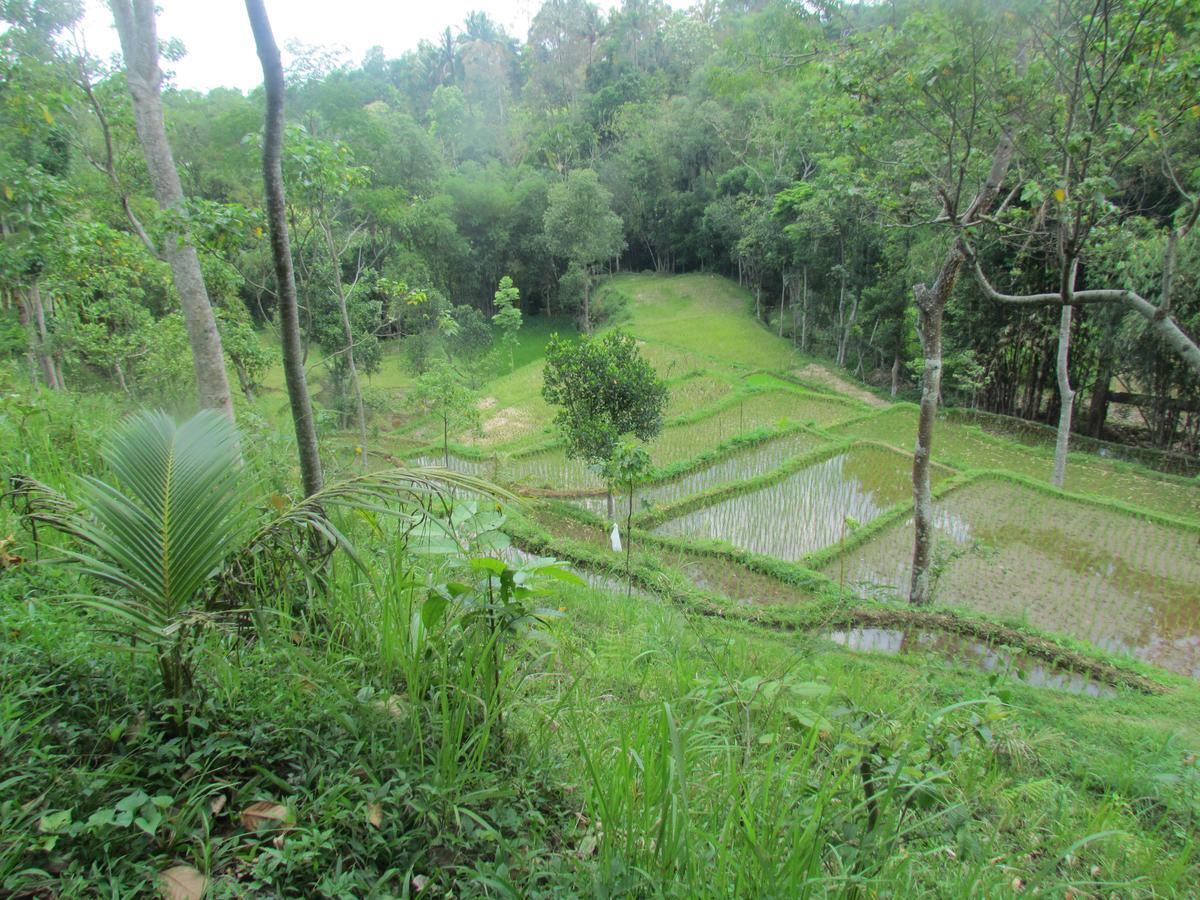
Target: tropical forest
{"points": [[708, 448]]}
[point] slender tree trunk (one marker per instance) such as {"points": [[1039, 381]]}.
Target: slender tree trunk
{"points": [[929, 327], [782, 302], [49, 371], [1098, 407], [360, 412], [281, 251], [244, 380], [31, 347], [931, 304], [119, 372], [1066, 396], [445, 442], [896, 374], [804, 315], [612, 512], [587, 290], [139, 45]]}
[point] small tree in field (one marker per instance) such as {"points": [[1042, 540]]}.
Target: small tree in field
{"points": [[508, 316], [606, 391], [442, 393], [629, 467]]}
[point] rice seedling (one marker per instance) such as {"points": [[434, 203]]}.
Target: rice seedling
{"points": [[1124, 583], [805, 511], [969, 447]]}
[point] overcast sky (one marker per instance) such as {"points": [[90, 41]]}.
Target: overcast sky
{"points": [[220, 48]]}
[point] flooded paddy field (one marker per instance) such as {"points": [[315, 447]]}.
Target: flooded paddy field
{"points": [[679, 442], [976, 654], [806, 511], [968, 447], [1122, 583], [743, 464], [690, 394]]}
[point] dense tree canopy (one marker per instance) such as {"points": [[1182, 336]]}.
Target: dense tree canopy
{"points": [[819, 153]]}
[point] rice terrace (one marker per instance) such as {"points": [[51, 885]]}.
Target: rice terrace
{"points": [[617, 448]]}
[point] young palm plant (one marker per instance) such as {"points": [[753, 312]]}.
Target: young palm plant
{"points": [[176, 530], [177, 511]]}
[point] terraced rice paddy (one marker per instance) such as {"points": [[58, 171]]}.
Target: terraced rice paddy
{"points": [[680, 442], [1123, 583], [757, 460], [695, 393], [1027, 669], [467, 465], [550, 470], [969, 447], [805, 511]]}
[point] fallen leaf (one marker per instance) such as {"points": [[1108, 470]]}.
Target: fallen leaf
{"points": [[9, 560], [393, 706], [375, 814], [182, 883], [419, 882], [217, 804], [1018, 885], [587, 846], [262, 813]]}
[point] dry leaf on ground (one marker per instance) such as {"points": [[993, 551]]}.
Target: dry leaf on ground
{"points": [[182, 883], [263, 813]]}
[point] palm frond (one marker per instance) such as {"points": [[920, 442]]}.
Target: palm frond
{"points": [[390, 492], [177, 511]]}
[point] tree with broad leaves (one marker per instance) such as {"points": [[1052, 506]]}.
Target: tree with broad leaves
{"points": [[441, 392], [606, 391], [508, 316], [581, 227]]}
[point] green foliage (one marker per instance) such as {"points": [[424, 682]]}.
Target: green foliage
{"points": [[605, 390], [508, 319], [175, 515], [441, 392]]}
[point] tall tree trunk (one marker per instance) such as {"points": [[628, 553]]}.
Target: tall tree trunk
{"points": [[782, 302], [139, 45], [587, 290], [804, 315], [1066, 396], [1098, 406], [931, 305], [31, 347], [49, 371], [281, 251], [360, 412], [896, 374]]}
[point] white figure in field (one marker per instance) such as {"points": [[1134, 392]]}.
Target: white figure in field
{"points": [[616, 538]]}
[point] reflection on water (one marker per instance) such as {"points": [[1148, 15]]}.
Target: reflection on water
{"points": [[806, 511], [746, 464], [1125, 584], [1024, 668]]}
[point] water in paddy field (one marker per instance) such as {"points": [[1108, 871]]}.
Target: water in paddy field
{"points": [[1124, 584], [1024, 668], [746, 464], [806, 511], [479, 468]]}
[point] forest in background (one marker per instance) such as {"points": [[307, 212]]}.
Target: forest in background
{"points": [[824, 154]]}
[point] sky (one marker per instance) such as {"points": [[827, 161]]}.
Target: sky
{"points": [[220, 48]]}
